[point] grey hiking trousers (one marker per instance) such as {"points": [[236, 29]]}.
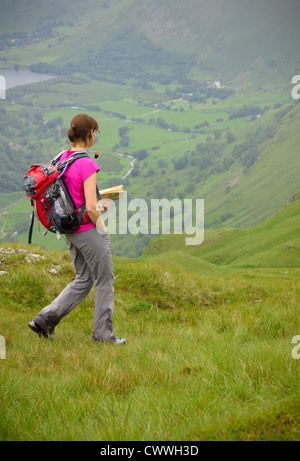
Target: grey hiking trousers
{"points": [[91, 256]]}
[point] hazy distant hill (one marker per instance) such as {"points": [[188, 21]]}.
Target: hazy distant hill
{"points": [[243, 40]]}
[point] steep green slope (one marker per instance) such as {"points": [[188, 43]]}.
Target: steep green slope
{"points": [[248, 195], [273, 243]]}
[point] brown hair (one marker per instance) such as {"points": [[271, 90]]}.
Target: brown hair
{"points": [[81, 127]]}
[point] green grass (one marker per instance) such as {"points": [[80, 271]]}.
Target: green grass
{"points": [[188, 118], [146, 137], [6, 200], [208, 356], [273, 243], [129, 108]]}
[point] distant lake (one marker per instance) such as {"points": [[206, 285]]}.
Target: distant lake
{"points": [[21, 77]]}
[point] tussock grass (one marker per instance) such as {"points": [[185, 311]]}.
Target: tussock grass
{"points": [[208, 357]]}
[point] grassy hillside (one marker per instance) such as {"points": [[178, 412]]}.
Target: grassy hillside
{"points": [[209, 355], [273, 243]]}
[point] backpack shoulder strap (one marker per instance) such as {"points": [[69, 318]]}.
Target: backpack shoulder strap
{"points": [[62, 166], [56, 159], [31, 226], [76, 155], [71, 159], [98, 193]]}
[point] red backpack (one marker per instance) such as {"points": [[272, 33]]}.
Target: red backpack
{"points": [[49, 194]]}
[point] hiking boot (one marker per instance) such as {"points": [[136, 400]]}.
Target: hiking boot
{"points": [[114, 340], [119, 341], [40, 331]]}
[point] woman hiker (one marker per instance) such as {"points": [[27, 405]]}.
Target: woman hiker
{"points": [[90, 250]]}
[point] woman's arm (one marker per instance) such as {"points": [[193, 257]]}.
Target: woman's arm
{"points": [[91, 202]]}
